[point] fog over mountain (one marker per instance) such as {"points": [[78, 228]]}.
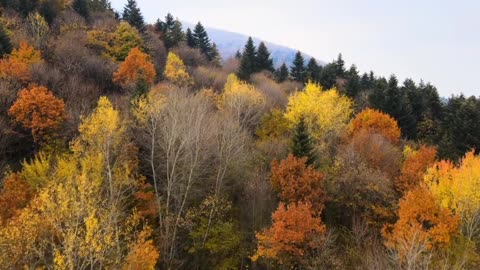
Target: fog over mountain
{"points": [[228, 43]]}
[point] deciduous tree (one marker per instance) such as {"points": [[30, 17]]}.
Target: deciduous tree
{"points": [[39, 110], [414, 168], [137, 67], [175, 71], [376, 122]]}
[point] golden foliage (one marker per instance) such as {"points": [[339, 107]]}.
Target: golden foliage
{"points": [[39, 110], [142, 255], [17, 65], [175, 71], [421, 222], [324, 111], [457, 187], [14, 196], [136, 67]]}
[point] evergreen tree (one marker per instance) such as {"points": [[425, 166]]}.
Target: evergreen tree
{"points": [[202, 41], [238, 54], [5, 44], [81, 7], [248, 61], [328, 77], [352, 86], [282, 73], [190, 39], [302, 142], [340, 66], [49, 10], [133, 15], [264, 61], [99, 5], [367, 82], [215, 55], [396, 104], [313, 70], [298, 70]]}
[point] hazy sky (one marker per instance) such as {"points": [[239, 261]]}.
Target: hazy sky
{"points": [[434, 40]]}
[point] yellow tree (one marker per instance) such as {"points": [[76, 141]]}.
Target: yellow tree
{"points": [[81, 219], [175, 71], [422, 225], [457, 188], [137, 67], [243, 101], [324, 112]]}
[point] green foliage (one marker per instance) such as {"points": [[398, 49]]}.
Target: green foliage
{"points": [[81, 7], [302, 143], [282, 73], [313, 70], [264, 61], [133, 15], [298, 70], [248, 62], [202, 41]]}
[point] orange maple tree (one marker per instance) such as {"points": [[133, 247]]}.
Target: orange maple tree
{"points": [[421, 222], [17, 64], [294, 231], [15, 195], [137, 66], [414, 168], [39, 110], [377, 122], [294, 181]]}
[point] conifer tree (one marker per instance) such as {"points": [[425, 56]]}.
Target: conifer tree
{"points": [[313, 70], [5, 44], [298, 70], [133, 15], [215, 55], [99, 5], [238, 54], [353, 82], [396, 104], [189, 38], [302, 143], [340, 66], [328, 77], [264, 61], [202, 41], [175, 35], [282, 73], [248, 61], [81, 7]]}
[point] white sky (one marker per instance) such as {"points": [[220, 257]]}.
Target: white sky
{"points": [[437, 41]]}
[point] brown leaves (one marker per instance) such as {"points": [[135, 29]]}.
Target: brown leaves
{"points": [[15, 195], [17, 65], [293, 231], [39, 110], [296, 182], [414, 168]]}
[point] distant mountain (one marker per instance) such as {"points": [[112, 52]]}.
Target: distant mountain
{"points": [[228, 43]]}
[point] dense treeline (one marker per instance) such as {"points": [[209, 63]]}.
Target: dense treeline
{"points": [[125, 145]]}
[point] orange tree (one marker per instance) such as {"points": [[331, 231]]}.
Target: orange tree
{"points": [[136, 68], [377, 122], [414, 167], [294, 181], [294, 231], [39, 110]]}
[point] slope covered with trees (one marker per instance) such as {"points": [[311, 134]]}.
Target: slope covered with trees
{"points": [[128, 145]]}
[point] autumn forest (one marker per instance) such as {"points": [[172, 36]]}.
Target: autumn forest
{"points": [[128, 145]]}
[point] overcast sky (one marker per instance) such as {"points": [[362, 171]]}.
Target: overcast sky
{"points": [[434, 40]]}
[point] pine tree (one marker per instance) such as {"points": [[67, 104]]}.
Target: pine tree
{"points": [[248, 61], [328, 77], [215, 55], [353, 82], [5, 44], [99, 5], [298, 70], [302, 143], [202, 41], [340, 66], [176, 34], [264, 61], [133, 15], [282, 73], [190, 39], [313, 70], [81, 7], [238, 55]]}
